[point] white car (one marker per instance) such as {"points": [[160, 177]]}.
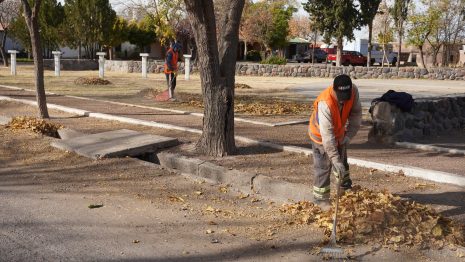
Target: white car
{"points": [[377, 56]]}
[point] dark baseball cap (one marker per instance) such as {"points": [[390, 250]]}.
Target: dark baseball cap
{"points": [[342, 86]]}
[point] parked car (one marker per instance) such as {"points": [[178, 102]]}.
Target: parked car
{"points": [[377, 55], [320, 56], [349, 58]]}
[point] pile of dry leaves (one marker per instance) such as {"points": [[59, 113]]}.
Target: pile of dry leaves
{"points": [[39, 126], [265, 109], [242, 86], [367, 216], [91, 81], [274, 108]]}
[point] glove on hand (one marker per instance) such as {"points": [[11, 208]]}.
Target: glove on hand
{"points": [[339, 170]]}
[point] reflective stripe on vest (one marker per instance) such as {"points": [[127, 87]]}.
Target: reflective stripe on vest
{"points": [[173, 62], [338, 121]]}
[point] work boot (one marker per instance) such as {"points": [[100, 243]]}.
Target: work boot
{"points": [[323, 203], [346, 185]]}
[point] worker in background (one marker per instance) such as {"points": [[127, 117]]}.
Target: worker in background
{"points": [[336, 119], [171, 68]]}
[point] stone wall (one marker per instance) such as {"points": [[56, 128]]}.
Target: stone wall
{"points": [[427, 118], [136, 66], [306, 70], [303, 70], [72, 64]]}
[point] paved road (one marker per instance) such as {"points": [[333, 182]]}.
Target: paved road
{"points": [[373, 88], [44, 215]]}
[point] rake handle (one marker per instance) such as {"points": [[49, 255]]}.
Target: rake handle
{"points": [[338, 188]]}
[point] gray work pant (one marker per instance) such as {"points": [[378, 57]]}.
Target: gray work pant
{"points": [[322, 168]]}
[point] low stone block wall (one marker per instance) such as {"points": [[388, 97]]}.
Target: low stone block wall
{"points": [[136, 66], [306, 70], [427, 118], [72, 64], [299, 70]]}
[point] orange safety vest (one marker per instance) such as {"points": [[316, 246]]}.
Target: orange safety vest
{"points": [[339, 120], [173, 62]]}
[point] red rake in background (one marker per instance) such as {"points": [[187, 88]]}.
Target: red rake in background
{"points": [[165, 95]]}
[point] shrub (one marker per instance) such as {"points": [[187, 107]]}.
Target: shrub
{"points": [[275, 60], [253, 55]]}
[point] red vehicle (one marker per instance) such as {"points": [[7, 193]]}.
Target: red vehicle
{"points": [[349, 58]]}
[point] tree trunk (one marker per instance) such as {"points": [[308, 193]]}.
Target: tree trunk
{"points": [[32, 17], [399, 51], [2, 49], [339, 52], [79, 51], [422, 58], [370, 46], [435, 56], [217, 63], [384, 56], [245, 49], [313, 54]]}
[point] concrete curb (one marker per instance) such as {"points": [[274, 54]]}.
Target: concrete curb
{"points": [[66, 109], [281, 191], [143, 122], [432, 175], [269, 188], [67, 133], [430, 148]]}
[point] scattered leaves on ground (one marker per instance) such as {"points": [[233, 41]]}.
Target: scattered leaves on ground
{"points": [[39, 126], [242, 86], [380, 217], [257, 108], [176, 199], [91, 81], [242, 196]]}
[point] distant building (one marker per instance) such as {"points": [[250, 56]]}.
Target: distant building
{"points": [[10, 43]]}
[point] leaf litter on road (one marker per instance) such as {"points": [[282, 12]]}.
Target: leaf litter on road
{"points": [[366, 216]]}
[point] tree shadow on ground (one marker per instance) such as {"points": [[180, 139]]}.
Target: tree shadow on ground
{"points": [[255, 150], [455, 200]]}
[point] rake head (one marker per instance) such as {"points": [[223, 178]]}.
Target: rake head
{"points": [[332, 252]]}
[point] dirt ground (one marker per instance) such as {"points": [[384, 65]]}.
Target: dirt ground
{"points": [[145, 210], [295, 168]]}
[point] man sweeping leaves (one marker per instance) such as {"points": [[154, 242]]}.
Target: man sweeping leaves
{"points": [[336, 119]]}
